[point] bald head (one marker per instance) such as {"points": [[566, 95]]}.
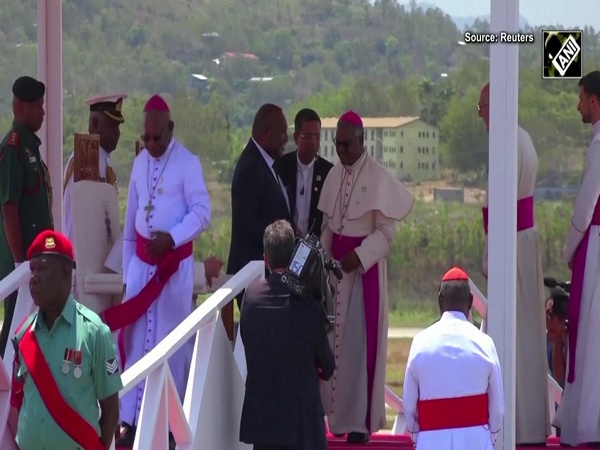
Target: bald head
{"points": [[483, 107], [269, 129]]}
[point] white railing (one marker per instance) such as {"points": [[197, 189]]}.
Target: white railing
{"points": [[210, 414]]}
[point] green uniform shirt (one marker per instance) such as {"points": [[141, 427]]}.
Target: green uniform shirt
{"points": [[77, 328], [24, 180]]}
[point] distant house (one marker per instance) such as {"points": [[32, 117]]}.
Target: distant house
{"points": [[407, 146], [232, 55], [198, 80]]}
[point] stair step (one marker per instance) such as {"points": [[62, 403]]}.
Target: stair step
{"points": [[401, 442]]}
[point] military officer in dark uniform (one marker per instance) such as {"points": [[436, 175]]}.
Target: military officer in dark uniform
{"points": [[25, 188]]}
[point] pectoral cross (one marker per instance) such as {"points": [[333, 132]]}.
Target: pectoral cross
{"points": [[149, 208]]}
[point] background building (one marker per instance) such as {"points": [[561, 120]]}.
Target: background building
{"points": [[407, 146]]}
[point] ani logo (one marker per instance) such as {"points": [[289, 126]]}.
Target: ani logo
{"points": [[562, 55]]}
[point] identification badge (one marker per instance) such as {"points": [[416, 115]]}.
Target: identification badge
{"points": [[32, 159]]}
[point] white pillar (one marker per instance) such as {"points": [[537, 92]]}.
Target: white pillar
{"points": [[49, 23], [502, 257]]}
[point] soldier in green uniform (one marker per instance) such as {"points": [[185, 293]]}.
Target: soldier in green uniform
{"points": [[25, 188], [65, 361]]}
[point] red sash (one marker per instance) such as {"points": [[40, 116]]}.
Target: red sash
{"points": [[525, 215], [69, 420], [448, 413], [120, 316]]}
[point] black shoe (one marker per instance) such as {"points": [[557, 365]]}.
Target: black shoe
{"points": [[172, 444], [357, 438], [127, 436]]}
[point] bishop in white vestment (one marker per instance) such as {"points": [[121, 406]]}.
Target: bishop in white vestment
{"points": [[168, 206], [105, 120], [453, 394], [532, 416], [362, 205], [578, 415]]}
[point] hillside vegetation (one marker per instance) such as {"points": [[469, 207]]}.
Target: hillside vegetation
{"points": [[379, 59]]}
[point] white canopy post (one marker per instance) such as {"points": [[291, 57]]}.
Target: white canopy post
{"points": [[49, 24], [502, 250]]}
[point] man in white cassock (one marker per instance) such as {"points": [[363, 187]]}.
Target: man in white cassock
{"points": [[362, 205], [532, 416], [105, 120], [578, 415], [168, 206], [453, 395]]}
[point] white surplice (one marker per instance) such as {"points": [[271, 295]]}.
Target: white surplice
{"points": [[449, 359], [104, 161], [364, 200], [578, 415], [532, 416], [174, 185]]}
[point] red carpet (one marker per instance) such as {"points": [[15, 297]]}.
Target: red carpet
{"points": [[403, 442]]}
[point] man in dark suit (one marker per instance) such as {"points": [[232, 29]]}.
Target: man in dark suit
{"points": [[287, 351], [304, 172], [258, 195]]}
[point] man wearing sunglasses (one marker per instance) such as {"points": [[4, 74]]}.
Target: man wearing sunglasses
{"points": [[362, 205], [105, 120], [168, 206], [533, 420]]}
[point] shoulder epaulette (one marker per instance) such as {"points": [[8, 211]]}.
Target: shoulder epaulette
{"points": [[13, 138], [88, 314], [12, 141]]}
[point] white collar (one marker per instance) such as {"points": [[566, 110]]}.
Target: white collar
{"points": [[454, 315], [268, 159], [596, 127]]}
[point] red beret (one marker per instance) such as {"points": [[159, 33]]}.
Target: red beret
{"points": [[52, 243], [456, 274]]}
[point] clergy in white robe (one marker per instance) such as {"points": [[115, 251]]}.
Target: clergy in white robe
{"points": [[105, 120], [532, 416], [578, 415], [453, 394], [168, 206], [362, 205]]}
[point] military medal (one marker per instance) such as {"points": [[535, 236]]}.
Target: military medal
{"points": [[77, 369], [66, 365]]}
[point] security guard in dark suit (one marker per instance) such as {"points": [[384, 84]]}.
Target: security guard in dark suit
{"points": [[25, 188]]}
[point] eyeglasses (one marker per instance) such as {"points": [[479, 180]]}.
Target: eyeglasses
{"points": [[145, 138], [338, 144], [309, 136], [479, 106]]}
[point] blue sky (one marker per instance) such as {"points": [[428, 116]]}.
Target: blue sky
{"points": [[538, 12]]}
